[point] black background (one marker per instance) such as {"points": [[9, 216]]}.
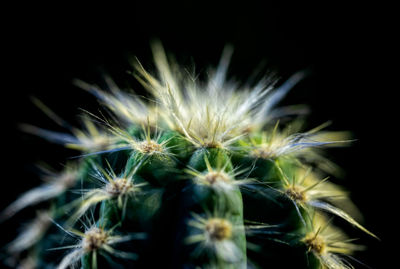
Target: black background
{"points": [[345, 46]]}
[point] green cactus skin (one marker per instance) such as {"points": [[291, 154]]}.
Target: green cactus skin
{"points": [[190, 185]]}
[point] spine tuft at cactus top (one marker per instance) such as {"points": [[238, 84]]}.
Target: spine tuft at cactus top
{"points": [[200, 173]]}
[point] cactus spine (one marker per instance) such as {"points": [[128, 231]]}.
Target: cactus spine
{"points": [[201, 176]]}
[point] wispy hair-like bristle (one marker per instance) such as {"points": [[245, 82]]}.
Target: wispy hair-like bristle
{"points": [[303, 194], [329, 244], [94, 240], [215, 113], [56, 184]]}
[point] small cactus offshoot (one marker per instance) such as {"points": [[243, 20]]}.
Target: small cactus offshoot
{"points": [[199, 174]]}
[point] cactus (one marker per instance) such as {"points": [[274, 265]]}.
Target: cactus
{"points": [[202, 174]]}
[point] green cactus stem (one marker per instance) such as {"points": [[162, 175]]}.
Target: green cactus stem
{"points": [[201, 176]]}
